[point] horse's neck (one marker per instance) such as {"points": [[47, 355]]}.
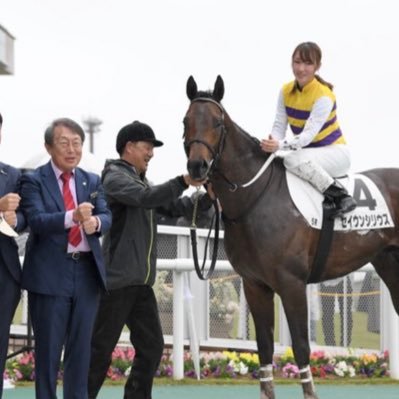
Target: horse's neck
{"points": [[242, 156], [240, 160]]}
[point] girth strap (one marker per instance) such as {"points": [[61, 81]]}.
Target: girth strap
{"points": [[324, 244]]}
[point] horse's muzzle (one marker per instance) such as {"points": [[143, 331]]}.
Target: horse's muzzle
{"points": [[198, 169]]}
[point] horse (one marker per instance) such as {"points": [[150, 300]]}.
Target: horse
{"points": [[267, 241]]}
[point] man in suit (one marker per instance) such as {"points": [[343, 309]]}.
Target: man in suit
{"points": [[10, 267], [63, 269]]}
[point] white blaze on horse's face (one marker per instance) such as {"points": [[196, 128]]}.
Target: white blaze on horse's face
{"points": [[203, 125]]}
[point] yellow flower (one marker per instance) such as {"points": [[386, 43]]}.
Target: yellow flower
{"points": [[369, 358], [231, 355], [288, 354]]}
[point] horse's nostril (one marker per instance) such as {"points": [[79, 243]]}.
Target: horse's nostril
{"points": [[198, 169]]}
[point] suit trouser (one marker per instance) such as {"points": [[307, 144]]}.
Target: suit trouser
{"points": [[136, 307], [65, 321], [10, 293]]}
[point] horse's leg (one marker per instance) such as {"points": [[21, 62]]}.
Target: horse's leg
{"points": [[386, 265], [296, 309], [261, 304]]}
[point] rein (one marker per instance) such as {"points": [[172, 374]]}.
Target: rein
{"points": [[267, 163], [193, 234]]}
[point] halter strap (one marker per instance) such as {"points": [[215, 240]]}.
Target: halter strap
{"points": [[209, 100]]}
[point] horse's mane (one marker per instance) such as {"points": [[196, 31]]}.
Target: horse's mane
{"points": [[256, 142]]}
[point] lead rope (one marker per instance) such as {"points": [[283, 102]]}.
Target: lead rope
{"points": [[193, 233], [193, 221]]}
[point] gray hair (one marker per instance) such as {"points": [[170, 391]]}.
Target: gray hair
{"points": [[66, 122]]}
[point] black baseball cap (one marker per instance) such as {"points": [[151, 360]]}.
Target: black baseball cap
{"points": [[135, 131]]}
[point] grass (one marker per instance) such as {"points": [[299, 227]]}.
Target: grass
{"points": [[361, 337]]}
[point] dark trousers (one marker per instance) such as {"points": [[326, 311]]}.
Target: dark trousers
{"points": [[10, 293], [328, 306], [137, 308], [65, 321]]}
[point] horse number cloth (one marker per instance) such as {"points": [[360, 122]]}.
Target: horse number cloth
{"points": [[371, 212]]}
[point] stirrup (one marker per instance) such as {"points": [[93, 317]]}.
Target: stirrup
{"points": [[340, 211]]}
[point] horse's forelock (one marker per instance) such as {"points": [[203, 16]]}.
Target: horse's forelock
{"points": [[203, 94]]}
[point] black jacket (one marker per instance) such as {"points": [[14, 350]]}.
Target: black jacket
{"points": [[130, 246]]}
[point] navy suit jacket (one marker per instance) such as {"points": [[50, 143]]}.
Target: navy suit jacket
{"points": [[45, 268], [9, 183]]}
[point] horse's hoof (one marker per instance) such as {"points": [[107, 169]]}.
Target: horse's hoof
{"points": [[267, 395], [311, 396]]}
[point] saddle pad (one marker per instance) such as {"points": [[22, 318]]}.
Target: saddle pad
{"points": [[371, 212]]}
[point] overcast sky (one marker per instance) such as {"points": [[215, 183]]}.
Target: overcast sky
{"points": [[125, 60]]}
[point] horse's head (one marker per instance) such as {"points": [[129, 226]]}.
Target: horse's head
{"points": [[204, 128]]}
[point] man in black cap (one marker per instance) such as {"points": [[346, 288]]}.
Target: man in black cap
{"points": [[130, 257]]}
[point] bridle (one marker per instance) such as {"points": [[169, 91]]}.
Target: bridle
{"points": [[200, 269], [216, 154]]}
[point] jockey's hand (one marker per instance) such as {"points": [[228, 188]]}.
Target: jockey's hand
{"points": [[269, 145]]}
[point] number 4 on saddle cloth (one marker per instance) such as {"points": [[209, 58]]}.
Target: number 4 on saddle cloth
{"points": [[371, 212]]}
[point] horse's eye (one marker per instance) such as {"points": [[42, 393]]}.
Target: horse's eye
{"points": [[218, 123]]}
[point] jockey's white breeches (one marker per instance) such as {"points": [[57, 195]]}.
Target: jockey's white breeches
{"points": [[319, 165]]}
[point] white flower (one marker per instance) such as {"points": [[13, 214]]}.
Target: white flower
{"points": [[243, 369], [352, 372], [341, 368], [234, 366]]}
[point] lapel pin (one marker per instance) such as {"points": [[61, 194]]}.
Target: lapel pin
{"points": [[94, 195], [84, 183]]}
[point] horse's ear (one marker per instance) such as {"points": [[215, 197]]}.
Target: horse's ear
{"points": [[218, 91], [191, 88]]}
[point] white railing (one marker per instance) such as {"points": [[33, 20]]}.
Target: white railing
{"points": [[191, 308]]}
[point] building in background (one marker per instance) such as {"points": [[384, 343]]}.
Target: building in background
{"points": [[6, 52]]}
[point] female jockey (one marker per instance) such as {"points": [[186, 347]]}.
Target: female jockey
{"points": [[318, 151]]}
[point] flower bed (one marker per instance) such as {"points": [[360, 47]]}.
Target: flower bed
{"points": [[231, 365]]}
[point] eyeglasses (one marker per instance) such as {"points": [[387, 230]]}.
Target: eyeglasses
{"points": [[65, 144]]}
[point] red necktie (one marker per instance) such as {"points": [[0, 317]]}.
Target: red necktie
{"points": [[74, 235]]}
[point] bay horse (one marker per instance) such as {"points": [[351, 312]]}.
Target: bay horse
{"points": [[267, 241]]}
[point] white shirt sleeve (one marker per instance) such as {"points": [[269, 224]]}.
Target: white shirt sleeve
{"points": [[317, 118], [281, 121]]}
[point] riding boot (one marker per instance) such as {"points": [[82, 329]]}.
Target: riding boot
{"points": [[343, 201]]}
